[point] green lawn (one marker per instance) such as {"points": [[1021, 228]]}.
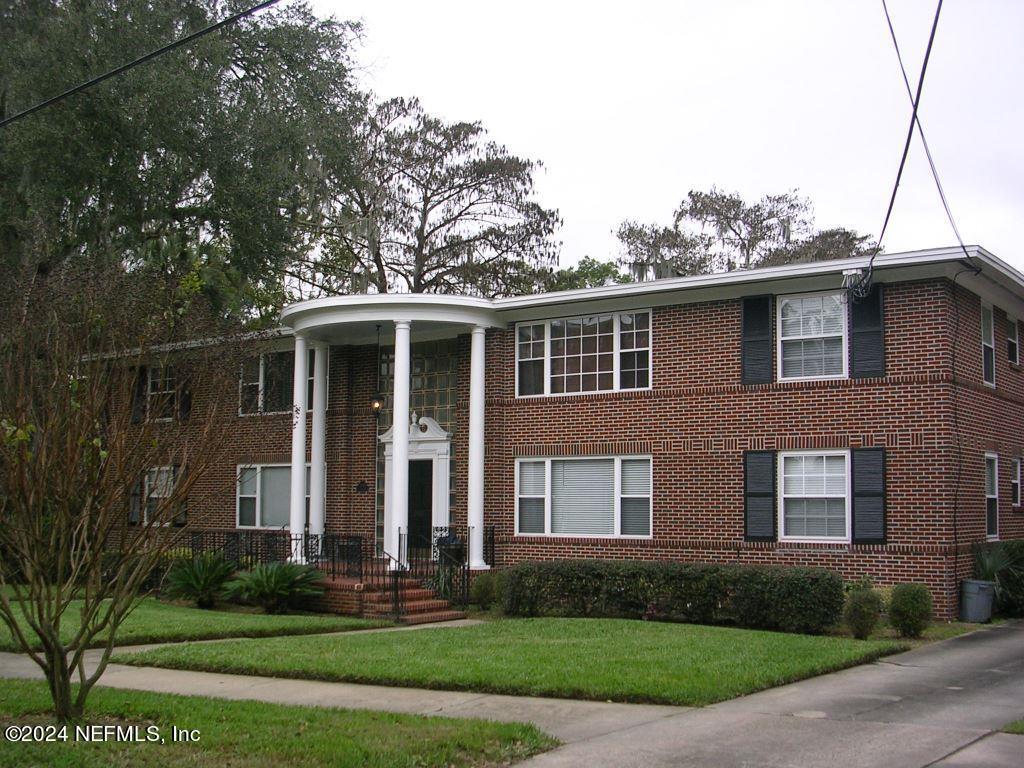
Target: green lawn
{"points": [[248, 734], [603, 659], [1017, 726], [156, 621]]}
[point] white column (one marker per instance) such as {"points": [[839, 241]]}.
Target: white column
{"points": [[399, 442], [318, 444], [475, 490], [297, 506]]}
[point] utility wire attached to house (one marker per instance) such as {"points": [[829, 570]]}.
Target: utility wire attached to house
{"points": [[861, 288], [132, 64]]}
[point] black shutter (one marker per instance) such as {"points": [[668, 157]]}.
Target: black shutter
{"points": [[867, 335], [184, 401], [135, 504], [757, 340], [759, 496], [868, 468], [139, 393]]}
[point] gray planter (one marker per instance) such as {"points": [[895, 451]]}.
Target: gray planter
{"points": [[976, 600]]}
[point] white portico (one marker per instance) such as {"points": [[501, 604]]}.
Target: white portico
{"points": [[355, 320]]}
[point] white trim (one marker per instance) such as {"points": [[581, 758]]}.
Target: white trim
{"points": [[779, 301], [781, 500], [1015, 478], [616, 354], [989, 343], [617, 494], [427, 441], [259, 506], [262, 383], [995, 458], [1011, 322], [173, 392], [144, 497]]}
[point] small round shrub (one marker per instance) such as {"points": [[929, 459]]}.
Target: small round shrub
{"points": [[276, 587], [863, 607], [482, 590], [910, 609]]}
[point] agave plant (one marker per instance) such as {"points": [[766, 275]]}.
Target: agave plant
{"points": [[201, 579], [276, 586]]}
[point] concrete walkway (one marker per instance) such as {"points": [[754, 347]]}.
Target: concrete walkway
{"points": [[937, 705]]}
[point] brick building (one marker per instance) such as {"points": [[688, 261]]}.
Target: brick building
{"points": [[761, 416]]}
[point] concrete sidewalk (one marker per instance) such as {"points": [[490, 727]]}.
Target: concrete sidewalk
{"points": [[937, 705]]}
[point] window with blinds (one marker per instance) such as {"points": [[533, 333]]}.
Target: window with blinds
{"points": [[594, 496]]}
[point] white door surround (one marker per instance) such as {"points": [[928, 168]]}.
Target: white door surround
{"points": [[427, 440]]}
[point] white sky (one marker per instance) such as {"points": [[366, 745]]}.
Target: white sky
{"points": [[630, 105]]}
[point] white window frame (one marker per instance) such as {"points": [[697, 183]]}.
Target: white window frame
{"points": [[617, 491], [239, 468], [310, 369], [1011, 323], [145, 497], [1015, 489], [780, 300], [989, 343], [781, 502], [171, 394], [994, 458], [616, 354]]}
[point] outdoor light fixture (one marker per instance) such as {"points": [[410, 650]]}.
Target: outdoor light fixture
{"points": [[377, 401]]}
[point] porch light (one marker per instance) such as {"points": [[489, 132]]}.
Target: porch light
{"points": [[377, 405]]}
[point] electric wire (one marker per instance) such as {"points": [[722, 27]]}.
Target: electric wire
{"points": [[136, 62]]}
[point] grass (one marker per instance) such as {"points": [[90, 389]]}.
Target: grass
{"points": [[155, 621], [244, 734], [602, 659], [941, 630], [1017, 726]]}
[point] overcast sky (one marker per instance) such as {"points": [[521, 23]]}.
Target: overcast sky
{"points": [[629, 105]]}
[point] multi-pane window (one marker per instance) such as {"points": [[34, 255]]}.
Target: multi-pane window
{"points": [[267, 381], [161, 394], [601, 496], [264, 496], [1012, 341], [1015, 483], [988, 346], [150, 495], [812, 336], [814, 501], [991, 495], [592, 353]]}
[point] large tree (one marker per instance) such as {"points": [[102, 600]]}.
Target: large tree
{"points": [[428, 207], [717, 231], [200, 161], [110, 417]]}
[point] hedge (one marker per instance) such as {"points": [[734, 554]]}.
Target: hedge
{"points": [[808, 600]]}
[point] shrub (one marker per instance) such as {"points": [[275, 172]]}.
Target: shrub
{"points": [[201, 580], [275, 587], [1010, 598], [910, 609], [863, 608], [482, 590], [790, 599]]}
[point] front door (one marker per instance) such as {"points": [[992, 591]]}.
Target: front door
{"points": [[421, 494]]}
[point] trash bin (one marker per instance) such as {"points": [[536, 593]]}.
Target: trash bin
{"points": [[450, 550], [976, 600]]}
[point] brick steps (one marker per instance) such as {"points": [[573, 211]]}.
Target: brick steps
{"points": [[420, 605]]}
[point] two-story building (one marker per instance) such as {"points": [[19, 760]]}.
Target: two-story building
{"points": [[759, 416]]}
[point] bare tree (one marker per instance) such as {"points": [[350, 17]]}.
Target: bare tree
{"points": [[106, 429]]}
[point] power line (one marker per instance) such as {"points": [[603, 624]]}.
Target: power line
{"points": [[141, 60], [924, 141], [864, 284]]}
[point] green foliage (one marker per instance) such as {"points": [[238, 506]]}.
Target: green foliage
{"points": [[862, 611], [790, 599], [275, 587], [483, 589], [201, 579], [1010, 584], [910, 609], [588, 273]]}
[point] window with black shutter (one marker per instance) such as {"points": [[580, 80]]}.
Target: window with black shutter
{"points": [[757, 340], [867, 335], [868, 487], [759, 496]]}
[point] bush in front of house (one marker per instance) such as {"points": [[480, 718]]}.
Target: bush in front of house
{"points": [[862, 612], [910, 609], [276, 587], [483, 590], [790, 599], [1010, 579], [201, 579]]}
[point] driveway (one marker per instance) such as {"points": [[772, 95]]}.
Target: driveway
{"points": [[937, 705]]}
